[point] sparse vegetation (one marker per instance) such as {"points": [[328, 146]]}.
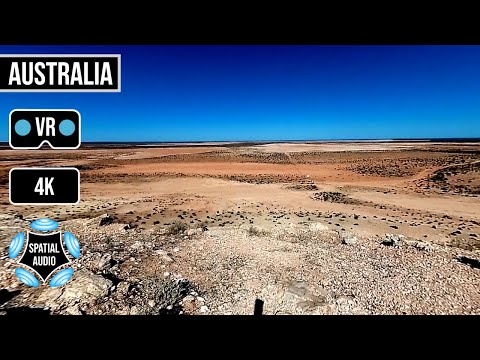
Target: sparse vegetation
{"points": [[107, 220], [162, 296], [254, 231], [303, 187], [177, 228], [331, 196], [439, 176], [203, 225]]}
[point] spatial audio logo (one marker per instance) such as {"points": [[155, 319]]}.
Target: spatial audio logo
{"points": [[44, 254]]}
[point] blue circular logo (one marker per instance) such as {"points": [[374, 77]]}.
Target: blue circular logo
{"points": [[67, 127], [23, 127]]}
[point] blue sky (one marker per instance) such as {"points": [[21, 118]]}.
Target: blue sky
{"points": [[201, 93]]}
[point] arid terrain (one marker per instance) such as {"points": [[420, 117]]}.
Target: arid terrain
{"points": [[308, 228]]}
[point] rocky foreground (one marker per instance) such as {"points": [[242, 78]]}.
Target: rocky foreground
{"points": [[297, 269]]}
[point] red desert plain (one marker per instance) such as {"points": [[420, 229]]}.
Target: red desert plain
{"points": [[366, 227]]}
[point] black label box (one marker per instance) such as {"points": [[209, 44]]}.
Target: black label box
{"points": [[60, 73], [44, 186], [31, 128]]}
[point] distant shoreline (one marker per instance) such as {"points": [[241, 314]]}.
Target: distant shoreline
{"points": [[121, 144]]}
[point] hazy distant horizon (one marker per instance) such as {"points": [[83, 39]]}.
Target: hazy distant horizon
{"points": [[139, 142]]}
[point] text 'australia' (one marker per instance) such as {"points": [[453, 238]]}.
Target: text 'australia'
{"points": [[60, 73]]}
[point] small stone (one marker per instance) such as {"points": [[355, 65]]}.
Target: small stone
{"points": [[73, 310], [163, 254], [130, 226], [423, 246], [392, 240], [204, 309], [134, 310], [169, 307], [104, 262], [318, 227], [166, 274], [106, 220], [348, 239], [200, 299], [176, 249], [151, 303], [188, 298]]}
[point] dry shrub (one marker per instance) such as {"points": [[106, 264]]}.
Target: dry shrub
{"points": [[177, 228]]}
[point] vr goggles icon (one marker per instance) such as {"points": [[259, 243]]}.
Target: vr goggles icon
{"points": [[31, 128]]}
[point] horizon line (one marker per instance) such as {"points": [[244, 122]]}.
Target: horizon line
{"points": [[475, 139]]}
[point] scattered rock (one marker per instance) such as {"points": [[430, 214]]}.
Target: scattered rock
{"points": [[305, 297], [49, 297], [122, 288], [423, 246], [188, 298], [107, 220], [333, 196], [318, 227], [134, 310], [164, 256], [392, 240], [190, 304], [348, 239], [105, 262], [130, 226], [85, 286], [137, 245], [472, 262], [192, 232]]}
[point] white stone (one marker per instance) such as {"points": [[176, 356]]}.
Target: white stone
{"points": [[318, 227], [188, 298], [134, 310]]}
